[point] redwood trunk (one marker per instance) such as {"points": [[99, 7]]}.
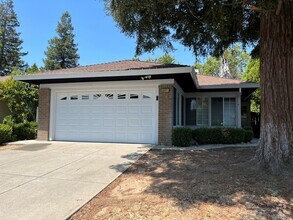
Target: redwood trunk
{"points": [[276, 54]]}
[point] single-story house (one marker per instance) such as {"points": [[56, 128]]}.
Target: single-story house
{"points": [[135, 102], [4, 110]]}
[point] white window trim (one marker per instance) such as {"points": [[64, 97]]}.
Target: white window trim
{"points": [[210, 95]]}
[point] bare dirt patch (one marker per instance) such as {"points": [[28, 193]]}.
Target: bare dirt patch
{"points": [[213, 184]]}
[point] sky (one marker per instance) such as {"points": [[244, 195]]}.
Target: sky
{"points": [[99, 39]]}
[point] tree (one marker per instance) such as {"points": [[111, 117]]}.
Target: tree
{"points": [[62, 50], [209, 27], [252, 74], [21, 98], [211, 67], [231, 64], [10, 42], [165, 59]]}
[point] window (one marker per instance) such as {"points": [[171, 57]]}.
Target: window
{"points": [[190, 109], [97, 96], [133, 96], [146, 97], [74, 97], [224, 112], [63, 98], [217, 111], [197, 111], [109, 96], [202, 110], [85, 97], [121, 96], [229, 112]]}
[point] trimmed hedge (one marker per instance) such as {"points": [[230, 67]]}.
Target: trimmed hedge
{"points": [[25, 130], [248, 135], [218, 135], [182, 137], [5, 133]]}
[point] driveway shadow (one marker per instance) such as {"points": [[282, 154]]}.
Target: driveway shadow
{"points": [[33, 147]]}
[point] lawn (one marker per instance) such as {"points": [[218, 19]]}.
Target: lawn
{"points": [[211, 184]]}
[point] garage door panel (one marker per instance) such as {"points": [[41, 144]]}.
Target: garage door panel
{"points": [[122, 116]]}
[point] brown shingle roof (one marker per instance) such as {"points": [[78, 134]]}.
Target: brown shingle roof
{"points": [[114, 66], [204, 80]]}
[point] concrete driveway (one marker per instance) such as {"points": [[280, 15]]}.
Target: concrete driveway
{"points": [[51, 180]]}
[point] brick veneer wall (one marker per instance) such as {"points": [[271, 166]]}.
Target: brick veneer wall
{"points": [[44, 114], [165, 114]]}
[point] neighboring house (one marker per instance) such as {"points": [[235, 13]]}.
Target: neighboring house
{"points": [[135, 102], [4, 110]]}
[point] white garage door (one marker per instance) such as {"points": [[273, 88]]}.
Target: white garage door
{"points": [[125, 116]]}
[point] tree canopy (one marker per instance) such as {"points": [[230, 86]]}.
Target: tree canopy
{"points": [[205, 27], [62, 50], [10, 42], [165, 59], [231, 64]]}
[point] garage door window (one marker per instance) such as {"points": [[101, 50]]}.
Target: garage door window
{"points": [[74, 97], [85, 97], [121, 96], [109, 96], [133, 96], [97, 96], [64, 98]]}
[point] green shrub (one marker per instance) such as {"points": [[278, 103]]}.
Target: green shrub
{"points": [[233, 135], [248, 135], [5, 133], [25, 130], [218, 135], [182, 137], [207, 135]]}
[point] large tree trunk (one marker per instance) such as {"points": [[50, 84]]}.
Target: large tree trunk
{"points": [[276, 55]]}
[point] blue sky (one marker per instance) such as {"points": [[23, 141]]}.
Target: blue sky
{"points": [[98, 38]]}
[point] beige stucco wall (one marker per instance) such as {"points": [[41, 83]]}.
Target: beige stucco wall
{"points": [[4, 111]]}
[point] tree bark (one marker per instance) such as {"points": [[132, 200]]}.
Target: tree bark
{"points": [[276, 54]]}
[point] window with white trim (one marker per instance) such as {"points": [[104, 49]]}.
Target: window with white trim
{"points": [[197, 111]]}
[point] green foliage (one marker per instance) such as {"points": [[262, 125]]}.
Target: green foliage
{"points": [[25, 130], [208, 135], [5, 133], [206, 27], [218, 135], [10, 42], [62, 50], [165, 59], [21, 98], [231, 64], [252, 74], [182, 137], [33, 69], [211, 67], [248, 136]]}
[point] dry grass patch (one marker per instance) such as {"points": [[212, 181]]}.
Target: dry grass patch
{"points": [[214, 184]]}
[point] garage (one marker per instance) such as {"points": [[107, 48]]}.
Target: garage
{"points": [[128, 116]]}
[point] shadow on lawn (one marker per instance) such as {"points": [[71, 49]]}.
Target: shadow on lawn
{"points": [[216, 177]]}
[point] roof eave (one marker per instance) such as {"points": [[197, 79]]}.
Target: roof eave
{"points": [[48, 76], [231, 86]]}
